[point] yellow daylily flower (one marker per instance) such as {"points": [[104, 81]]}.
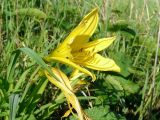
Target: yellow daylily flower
{"points": [[66, 88], [77, 51]]}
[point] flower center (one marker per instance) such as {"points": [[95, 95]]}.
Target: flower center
{"points": [[81, 56]]}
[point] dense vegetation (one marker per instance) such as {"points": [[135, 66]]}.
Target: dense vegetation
{"points": [[30, 29]]}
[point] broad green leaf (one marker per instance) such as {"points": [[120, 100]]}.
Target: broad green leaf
{"points": [[37, 59]]}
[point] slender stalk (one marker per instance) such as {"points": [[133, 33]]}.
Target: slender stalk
{"points": [[154, 74]]}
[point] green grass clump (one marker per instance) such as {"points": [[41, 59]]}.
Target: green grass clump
{"points": [[29, 30]]}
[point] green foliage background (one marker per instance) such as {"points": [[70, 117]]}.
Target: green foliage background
{"points": [[30, 29]]}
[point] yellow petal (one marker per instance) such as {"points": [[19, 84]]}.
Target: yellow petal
{"points": [[72, 64], [78, 36], [85, 29], [63, 51], [98, 45], [62, 77], [67, 113], [103, 64], [70, 96], [75, 74]]}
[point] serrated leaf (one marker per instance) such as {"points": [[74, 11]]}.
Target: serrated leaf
{"points": [[101, 113], [128, 86], [115, 84], [123, 61]]}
